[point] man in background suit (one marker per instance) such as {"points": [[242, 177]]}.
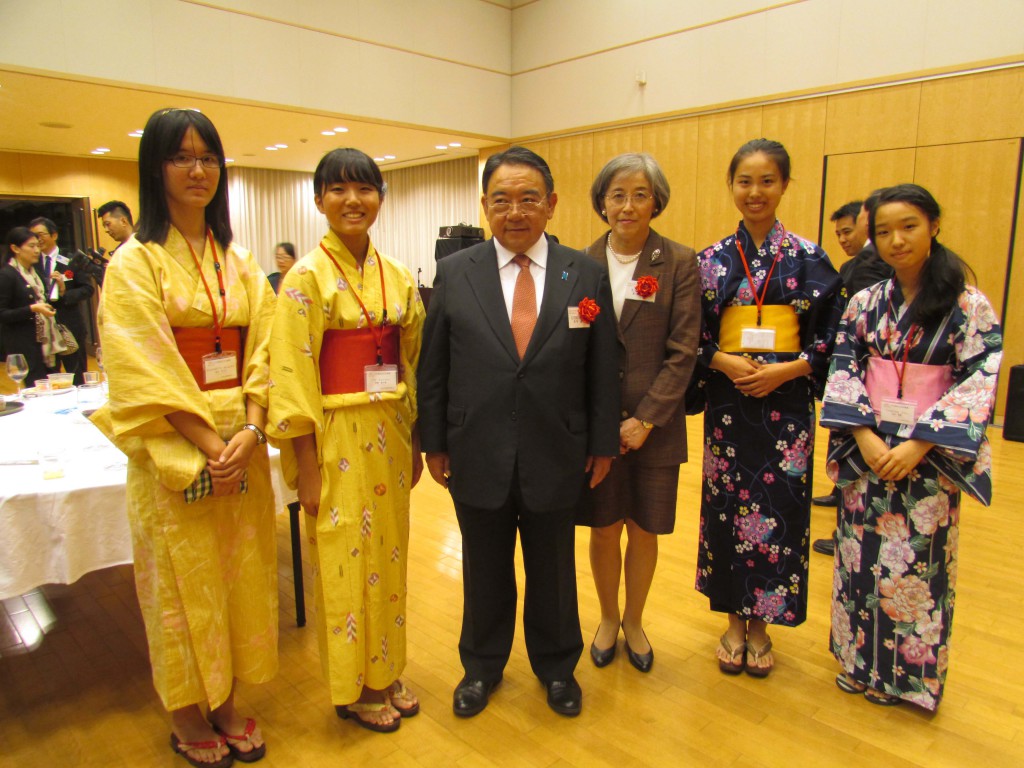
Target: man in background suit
{"points": [[67, 291], [864, 269], [516, 406]]}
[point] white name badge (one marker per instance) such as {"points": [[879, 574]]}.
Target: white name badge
{"points": [[220, 366], [575, 321], [380, 378], [62, 259], [757, 338], [899, 411], [634, 296]]}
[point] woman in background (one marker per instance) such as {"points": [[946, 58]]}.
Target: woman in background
{"points": [[656, 295], [771, 305], [284, 257], [909, 396], [343, 355], [185, 320]]}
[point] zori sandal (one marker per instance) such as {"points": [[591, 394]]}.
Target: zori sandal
{"points": [[732, 666], [184, 747], [250, 755]]}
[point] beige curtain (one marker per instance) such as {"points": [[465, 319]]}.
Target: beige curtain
{"points": [[268, 207]]}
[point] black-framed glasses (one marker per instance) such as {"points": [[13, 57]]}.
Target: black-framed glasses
{"points": [[181, 160]]}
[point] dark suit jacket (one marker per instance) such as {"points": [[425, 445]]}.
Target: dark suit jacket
{"points": [[494, 414], [73, 305], [864, 270], [18, 323], [658, 345]]}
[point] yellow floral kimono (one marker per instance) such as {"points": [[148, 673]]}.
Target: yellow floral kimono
{"points": [[360, 537], [206, 572]]}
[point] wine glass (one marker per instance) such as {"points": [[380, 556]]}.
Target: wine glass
{"points": [[17, 369]]}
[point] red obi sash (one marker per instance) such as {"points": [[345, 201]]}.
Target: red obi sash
{"points": [[345, 354], [194, 343], [924, 384]]}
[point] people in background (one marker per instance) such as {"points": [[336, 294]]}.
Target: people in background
{"points": [[909, 395], [519, 403], [343, 356], [67, 290], [185, 321], [116, 219], [656, 297], [22, 300], [284, 258], [771, 301]]}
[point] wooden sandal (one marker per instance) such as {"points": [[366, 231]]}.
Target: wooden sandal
{"points": [[352, 711], [732, 667], [847, 684], [756, 654], [398, 692], [233, 741], [881, 698], [184, 747]]}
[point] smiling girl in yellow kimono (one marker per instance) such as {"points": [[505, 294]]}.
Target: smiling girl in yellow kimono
{"points": [[343, 357], [184, 323]]}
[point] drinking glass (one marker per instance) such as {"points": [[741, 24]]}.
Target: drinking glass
{"points": [[17, 369]]}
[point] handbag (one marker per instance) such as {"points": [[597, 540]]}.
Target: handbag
{"points": [[68, 338]]}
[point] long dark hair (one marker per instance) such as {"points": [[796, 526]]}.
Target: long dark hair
{"points": [[347, 165], [160, 141], [16, 238], [944, 274]]}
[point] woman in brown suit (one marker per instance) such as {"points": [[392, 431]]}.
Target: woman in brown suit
{"points": [[656, 292]]}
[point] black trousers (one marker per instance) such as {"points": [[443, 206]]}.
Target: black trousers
{"points": [[551, 613]]}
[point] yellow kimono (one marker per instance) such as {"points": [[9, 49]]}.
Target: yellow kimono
{"points": [[360, 538], [206, 572]]}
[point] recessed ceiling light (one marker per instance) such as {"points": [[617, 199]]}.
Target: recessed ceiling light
{"points": [[97, 152], [389, 157], [454, 144], [102, 149], [326, 133], [281, 146], [341, 129], [378, 159], [441, 146], [229, 159], [271, 149], [137, 133]]}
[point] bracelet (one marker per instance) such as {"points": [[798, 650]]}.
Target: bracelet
{"points": [[260, 437], [646, 424]]}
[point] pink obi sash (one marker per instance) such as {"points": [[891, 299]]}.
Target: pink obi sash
{"points": [[345, 354], [924, 384]]}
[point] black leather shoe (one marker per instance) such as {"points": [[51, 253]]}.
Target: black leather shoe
{"points": [[826, 501], [565, 696], [642, 661], [471, 696], [601, 658], [824, 546]]}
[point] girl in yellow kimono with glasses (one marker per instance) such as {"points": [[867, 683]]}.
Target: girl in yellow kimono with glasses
{"points": [[184, 321], [343, 357]]}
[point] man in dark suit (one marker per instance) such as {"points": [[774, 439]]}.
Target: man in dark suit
{"points": [[864, 269], [518, 400], [68, 291]]}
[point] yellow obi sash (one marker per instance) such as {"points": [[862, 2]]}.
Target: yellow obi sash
{"points": [[781, 317]]}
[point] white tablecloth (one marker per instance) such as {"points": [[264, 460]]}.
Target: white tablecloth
{"points": [[54, 531]]}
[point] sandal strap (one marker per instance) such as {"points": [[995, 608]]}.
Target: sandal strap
{"points": [[245, 737], [188, 746], [759, 653], [724, 640], [367, 706]]}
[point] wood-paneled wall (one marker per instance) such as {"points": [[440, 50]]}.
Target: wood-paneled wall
{"points": [[959, 136]]}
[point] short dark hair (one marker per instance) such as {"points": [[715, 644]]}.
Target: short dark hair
{"points": [[161, 139], [48, 223], [17, 237], [518, 156], [287, 248], [347, 165], [773, 149], [872, 200], [850, 210], [631, 162], [944, 273], [117, 208]]}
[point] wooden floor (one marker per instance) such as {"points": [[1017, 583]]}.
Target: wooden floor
{"points": [[75, 687]]}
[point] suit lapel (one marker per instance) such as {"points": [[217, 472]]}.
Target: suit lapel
{"points": [[651, 262], [486, 285], [559, 281]]}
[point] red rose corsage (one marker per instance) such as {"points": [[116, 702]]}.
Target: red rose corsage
{"points": [[588, 310], [646, 286], [69, 275]]}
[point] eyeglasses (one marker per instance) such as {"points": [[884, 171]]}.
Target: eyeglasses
{"points": [[526, 206], [620, 198], [188, 161]]}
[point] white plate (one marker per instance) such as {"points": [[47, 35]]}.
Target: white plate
{"points": [[31, 392]]}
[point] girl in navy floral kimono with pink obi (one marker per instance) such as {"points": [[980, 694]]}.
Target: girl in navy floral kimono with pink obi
{"points": [[909, 394], [771, 305]]}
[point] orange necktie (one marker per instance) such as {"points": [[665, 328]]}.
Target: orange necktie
{"points": [[524, 305]]}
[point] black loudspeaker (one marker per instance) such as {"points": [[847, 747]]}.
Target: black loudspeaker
{"points": [[446, 246], [1013, 423]]}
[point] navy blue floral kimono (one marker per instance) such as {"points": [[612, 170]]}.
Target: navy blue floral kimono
{"points": [[755, 508], [896, 550]]}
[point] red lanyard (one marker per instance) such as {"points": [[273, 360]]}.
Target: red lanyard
{"points": [[908, 343], [217, 320], [759, 300], [378, 333]]}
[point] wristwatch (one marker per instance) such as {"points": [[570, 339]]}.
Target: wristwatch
{"points": [[646, 424], [260, 437]]}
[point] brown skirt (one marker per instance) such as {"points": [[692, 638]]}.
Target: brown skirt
{"points": [[632, 491]]}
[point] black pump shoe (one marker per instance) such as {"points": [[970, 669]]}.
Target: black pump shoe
{"points": [[642, 661], [601, 658]]}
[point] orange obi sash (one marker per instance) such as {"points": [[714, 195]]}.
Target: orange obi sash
{"points": [[345, 354], [781, 317], [195, 343], [923, 384]]}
